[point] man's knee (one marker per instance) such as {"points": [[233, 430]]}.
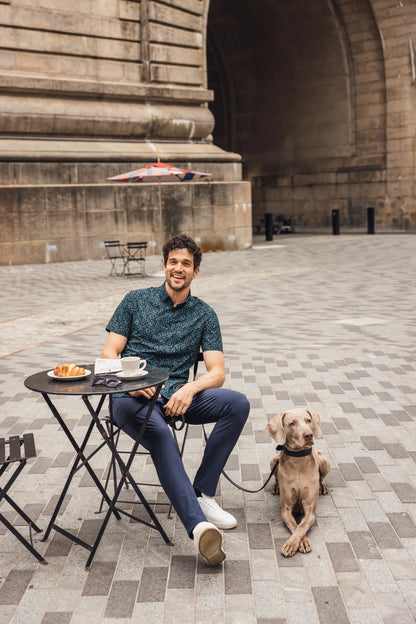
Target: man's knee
{"points": [[240, 406], [244, 405]]}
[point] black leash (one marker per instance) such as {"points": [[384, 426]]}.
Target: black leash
{"points": [[240, 487], [279, 447]]}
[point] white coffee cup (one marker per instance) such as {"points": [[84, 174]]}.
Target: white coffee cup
{"points": [[132, 365]]}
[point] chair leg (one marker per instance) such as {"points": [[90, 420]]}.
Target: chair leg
{"points": [[20, 511], [112, 468], [4, 495], [23, 540], [3, 492], [114, 270], [141, 267], [14, 455]]}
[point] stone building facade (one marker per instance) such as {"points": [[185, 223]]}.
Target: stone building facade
{"points": [[93, 88], [296, 108]]}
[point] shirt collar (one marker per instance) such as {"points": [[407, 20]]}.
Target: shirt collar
{"points": [[164, 295]]}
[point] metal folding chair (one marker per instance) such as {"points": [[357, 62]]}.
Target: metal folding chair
{"points": [[16, 450], [114, 432], [116, 255], [135, 253], [177, 426]]}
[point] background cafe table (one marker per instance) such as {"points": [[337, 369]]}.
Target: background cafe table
{"points": [[47, 386]]}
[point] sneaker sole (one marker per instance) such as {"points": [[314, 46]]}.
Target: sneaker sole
{"points": [[210, 548], [223, 526]]}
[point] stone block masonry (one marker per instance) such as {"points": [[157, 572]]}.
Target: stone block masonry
{"points": [[42, 224]]}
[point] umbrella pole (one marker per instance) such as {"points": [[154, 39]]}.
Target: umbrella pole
{"points": [[160, 215]]}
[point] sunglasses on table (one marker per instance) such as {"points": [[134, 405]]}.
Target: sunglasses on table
{"points": [[108, 382]]}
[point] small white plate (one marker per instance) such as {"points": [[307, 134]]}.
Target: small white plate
{"points": [[133, 377], [73, 378]]}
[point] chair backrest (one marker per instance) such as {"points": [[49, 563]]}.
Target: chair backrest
{"points": [[15, 446], [113, 249], [138, 245], [200, 358]]}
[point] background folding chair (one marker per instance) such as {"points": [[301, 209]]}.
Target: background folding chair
{"points": [[135, 253], [116, 255], [16, 451]]}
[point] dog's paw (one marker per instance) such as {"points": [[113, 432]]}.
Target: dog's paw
{"points": [[305, 546], [290, 547], [275, 489], [323, 489]]}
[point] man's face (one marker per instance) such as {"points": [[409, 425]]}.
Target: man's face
{"points": [[179, 269]]}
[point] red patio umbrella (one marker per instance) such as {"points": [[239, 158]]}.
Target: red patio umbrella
{"points": [[159, 172]]}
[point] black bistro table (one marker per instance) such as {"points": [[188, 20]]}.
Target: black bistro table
{"points": [[48, 386]]}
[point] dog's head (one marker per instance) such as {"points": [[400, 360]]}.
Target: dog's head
{"points": [[295, 428]]}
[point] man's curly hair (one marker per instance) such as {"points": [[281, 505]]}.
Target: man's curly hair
{"points": [[182, 242]]}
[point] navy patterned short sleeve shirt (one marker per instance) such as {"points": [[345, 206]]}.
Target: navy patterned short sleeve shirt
{"points": [[166, 336]]}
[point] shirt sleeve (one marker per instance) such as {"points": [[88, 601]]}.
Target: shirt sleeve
{"points": [[211, 336], [121, 321]]}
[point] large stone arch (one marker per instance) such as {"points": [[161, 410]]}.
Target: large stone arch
{"points": [[300, 93]]}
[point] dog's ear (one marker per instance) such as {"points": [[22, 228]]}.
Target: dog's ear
{"points": [[316, 424], [275, 428]]}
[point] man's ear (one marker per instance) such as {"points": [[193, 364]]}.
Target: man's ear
{"points": [[316, 423], [275, 428]]}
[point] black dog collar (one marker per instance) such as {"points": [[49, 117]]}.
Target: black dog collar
{"points": [[303, 453]]}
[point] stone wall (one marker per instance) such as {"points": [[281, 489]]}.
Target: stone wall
{"points": [[113, 41], [53, 223], [107, 70], [91, 89], [397, 27]]}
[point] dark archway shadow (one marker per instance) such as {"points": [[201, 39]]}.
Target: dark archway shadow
{"points": [[289, 95]]}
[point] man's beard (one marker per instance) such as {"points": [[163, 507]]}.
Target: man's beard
{"points": [[182, 285]]}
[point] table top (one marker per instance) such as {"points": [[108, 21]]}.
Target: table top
{"points": [[42, 382]]}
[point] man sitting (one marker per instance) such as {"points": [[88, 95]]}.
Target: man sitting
{"points": [[167, 326]]}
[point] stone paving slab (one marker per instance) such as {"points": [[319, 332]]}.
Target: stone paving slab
{"points": [[322, 321]]}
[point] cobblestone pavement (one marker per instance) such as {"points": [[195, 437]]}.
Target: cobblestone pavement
{"points": [[322, 321]]}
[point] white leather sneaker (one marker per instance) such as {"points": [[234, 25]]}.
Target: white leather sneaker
{"points": [[208, 543], [213, 513]]}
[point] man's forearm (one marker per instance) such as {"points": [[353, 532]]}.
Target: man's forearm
{"points": [[211, 379]]}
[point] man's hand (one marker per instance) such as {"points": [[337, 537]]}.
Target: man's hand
{"points": [[180, 401], [213, 378], [148, 393]]}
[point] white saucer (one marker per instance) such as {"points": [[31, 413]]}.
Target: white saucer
{"points": [[132, 377]]}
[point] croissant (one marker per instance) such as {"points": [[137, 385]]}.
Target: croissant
{"points": [[68, 370]]}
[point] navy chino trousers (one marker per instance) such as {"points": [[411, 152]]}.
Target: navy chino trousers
{"points": [[227, 408]]}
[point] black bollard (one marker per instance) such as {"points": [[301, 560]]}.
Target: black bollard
{"points": [[269, 226], [335, 222], [370, 220]]}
